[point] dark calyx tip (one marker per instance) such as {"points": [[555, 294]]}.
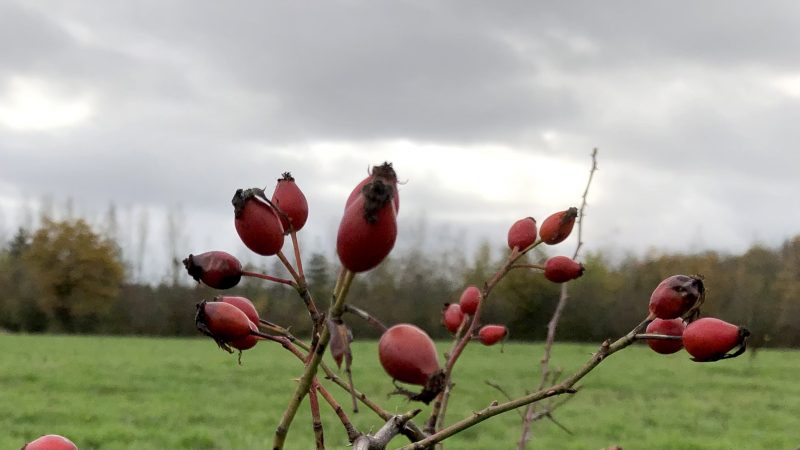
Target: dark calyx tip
{"points": [[377, 194], [286, 176], [194, 270], [241, 196], [433, 387], [385, 171]]}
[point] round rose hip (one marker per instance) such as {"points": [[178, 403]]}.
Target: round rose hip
{"points": [[216, 269], [368, 229], [452, 316], [50, 442], [470, 299], [709, 339], [560, 269], [669, 327], [407, 354], [522, 233], [675, 296], [558, 226]]}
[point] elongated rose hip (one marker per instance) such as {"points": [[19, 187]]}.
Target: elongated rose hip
{"points": [[560, 269], [709, 339], [257, 223], [292, 202], [558, 226], [522, 233], [216, 269]]}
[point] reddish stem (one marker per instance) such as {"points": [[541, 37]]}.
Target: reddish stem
{"points": [[269, 278]]}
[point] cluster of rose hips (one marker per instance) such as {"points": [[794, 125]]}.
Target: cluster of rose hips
{"points": [[408, 354], [673, 306]]}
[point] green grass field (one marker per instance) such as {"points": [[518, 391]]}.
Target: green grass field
{"points": [[141, 393]]}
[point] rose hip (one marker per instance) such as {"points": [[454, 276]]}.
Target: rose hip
{"points": [[407, 354], [560, 269], [470, 299], [368, 229], [522, 233], [492, 334], [709, 339], [50, 442], [675, 296], [291, 201], [452, 316], [558, 226], [216, 269], [257, 223], [668, 327]]}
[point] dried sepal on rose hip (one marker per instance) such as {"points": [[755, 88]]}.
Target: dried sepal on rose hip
{"points": [[667, 327], [560, 269], [709, 339], [368, 229], [492, 334], [677, 296], [222, 322], [558, 226], [452, 316], [522, 234], [385, 172], [216, 269], [50, 442], [257, 222], [470, 299], [290, 201], [408, 355]]}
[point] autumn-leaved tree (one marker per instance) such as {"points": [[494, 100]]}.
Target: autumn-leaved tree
{"points": [[78, 273]]}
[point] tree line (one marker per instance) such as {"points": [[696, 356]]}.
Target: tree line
{"points": [[66, 277]]}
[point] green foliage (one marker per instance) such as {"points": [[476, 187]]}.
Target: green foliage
{"points": [[145, 393]]}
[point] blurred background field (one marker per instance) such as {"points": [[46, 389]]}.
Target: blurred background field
{"points": [[156, 393]]}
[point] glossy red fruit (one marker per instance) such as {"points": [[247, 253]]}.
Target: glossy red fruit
{"points": [[50, 442], [216, 269], [452, 316], [368, 229], [290, 199], [669, 327], [470, 299], [222, 321], [257, 223], [709, 339], [675, 296], [243, 303], [492, 334], [246, 342], [558, 226], [560, 269], [407, 354], [385, 172], [522, 233]]}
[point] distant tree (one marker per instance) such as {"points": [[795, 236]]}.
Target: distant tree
{"points": [[78, 273]]}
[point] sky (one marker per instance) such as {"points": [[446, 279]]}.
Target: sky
{"points": [[488, 110]]}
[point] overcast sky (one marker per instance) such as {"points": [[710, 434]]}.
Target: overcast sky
{"points": [[488, 110]]}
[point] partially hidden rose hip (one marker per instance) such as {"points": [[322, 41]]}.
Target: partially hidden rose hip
{"points": [[243, 303], [492, 334], [292, 202], [558, 226], [675, 296], [50, 442], [470, 299], [522, 233], [368, 229], [222, 321], [709, 339], [257, 223], [215, 269], [246, 342], [560, 269], [452, 316], [668, 327]]}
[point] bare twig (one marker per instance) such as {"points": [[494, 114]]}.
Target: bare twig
{"points": [[606, 349], [365, 316], [269, 278], [553, 324], [311, 367], [316, 419], [390, 429]]}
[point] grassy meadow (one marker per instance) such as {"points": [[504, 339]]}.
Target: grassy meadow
{"points": [[147, 393]]}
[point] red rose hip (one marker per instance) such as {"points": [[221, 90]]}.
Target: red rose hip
{"points": [[50, 442], [452, 316], [368, 229], [522, 233], [675, 296], [560, 269], [216, 269], [243, 303], [492, 334], [291, 201], [470, 299], [222, 321], [257, 223], [668, 327], [558, 226], [407, 354], [709, 339]]}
